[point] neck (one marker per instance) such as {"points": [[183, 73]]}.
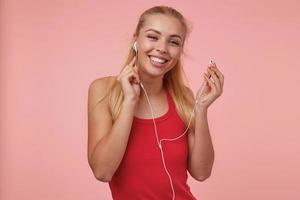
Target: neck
{"points": [[152, 87]]}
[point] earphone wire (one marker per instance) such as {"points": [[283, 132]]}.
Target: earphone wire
{"points": [[155, 130], [159, 142], [169, 139]]}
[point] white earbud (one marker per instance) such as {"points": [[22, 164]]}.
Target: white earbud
{"points": [[134, 47]]}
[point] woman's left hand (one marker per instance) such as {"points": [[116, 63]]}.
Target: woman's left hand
{"points": [[212, 88]]}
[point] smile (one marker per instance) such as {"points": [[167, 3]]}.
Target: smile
{"points": [[158, 62]]}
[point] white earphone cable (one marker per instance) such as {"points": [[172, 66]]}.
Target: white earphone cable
{"points": [[169, 139]]}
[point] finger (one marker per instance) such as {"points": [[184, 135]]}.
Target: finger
{"points": [[215, 78], [214, 67], [130, 77], [219, 74], [137, 77], [133, 76], [213, 64], [210, 75], [135, 68], [132, 62], [210, 82], [129, 68]]}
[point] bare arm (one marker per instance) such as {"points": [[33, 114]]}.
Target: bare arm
{"points": [[201, 156], [201, 152], [106, 141]]}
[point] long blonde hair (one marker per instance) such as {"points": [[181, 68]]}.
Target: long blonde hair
{"points": [[172, 80]]}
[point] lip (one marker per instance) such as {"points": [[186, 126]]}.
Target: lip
{"points": [[158, 65], [160, 57]]}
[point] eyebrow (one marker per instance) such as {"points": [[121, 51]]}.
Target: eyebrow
{"points": [[173, 35]]}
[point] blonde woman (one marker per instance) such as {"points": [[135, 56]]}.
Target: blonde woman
{"points": [[143, 133]]}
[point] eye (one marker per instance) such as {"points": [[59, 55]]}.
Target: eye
{"points": [[152, 37], [175, 42]]}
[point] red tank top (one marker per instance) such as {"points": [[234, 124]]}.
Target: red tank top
{"points": [[141, 174]]}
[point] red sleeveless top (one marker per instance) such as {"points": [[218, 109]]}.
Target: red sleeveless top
{"points": [[141, 174]]}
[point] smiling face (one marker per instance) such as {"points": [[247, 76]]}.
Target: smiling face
{"points": [[160, 42]]}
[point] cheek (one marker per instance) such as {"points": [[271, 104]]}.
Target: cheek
{"points": [[146, 46], [175, 56], [144, 51], [175, 52]]}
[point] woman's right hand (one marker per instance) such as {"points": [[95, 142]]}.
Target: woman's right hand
{"points": [[129, 80]]}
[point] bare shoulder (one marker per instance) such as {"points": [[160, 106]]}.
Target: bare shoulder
{"points": [[101, 83], [99, 116], [98, 88]]}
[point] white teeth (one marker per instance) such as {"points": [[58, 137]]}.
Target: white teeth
{"points": [[159, 60]]}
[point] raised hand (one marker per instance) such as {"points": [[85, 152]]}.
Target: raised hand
{"points": [[213, 86], [129, 80]]}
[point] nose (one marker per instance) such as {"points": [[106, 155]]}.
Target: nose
{"points": [[161, 47]]}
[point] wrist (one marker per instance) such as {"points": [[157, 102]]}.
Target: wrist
{"points": [[129, 103], [201, 109]]}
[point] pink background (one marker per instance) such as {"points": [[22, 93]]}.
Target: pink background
{"points": [[52, 50]]}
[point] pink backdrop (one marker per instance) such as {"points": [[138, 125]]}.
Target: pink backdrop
{"points": [[52, 50]]}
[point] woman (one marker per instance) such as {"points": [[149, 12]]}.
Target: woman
{"points": [[129, 149]]}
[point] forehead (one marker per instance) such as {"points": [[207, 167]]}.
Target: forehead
{"points": [[165, 24]]}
